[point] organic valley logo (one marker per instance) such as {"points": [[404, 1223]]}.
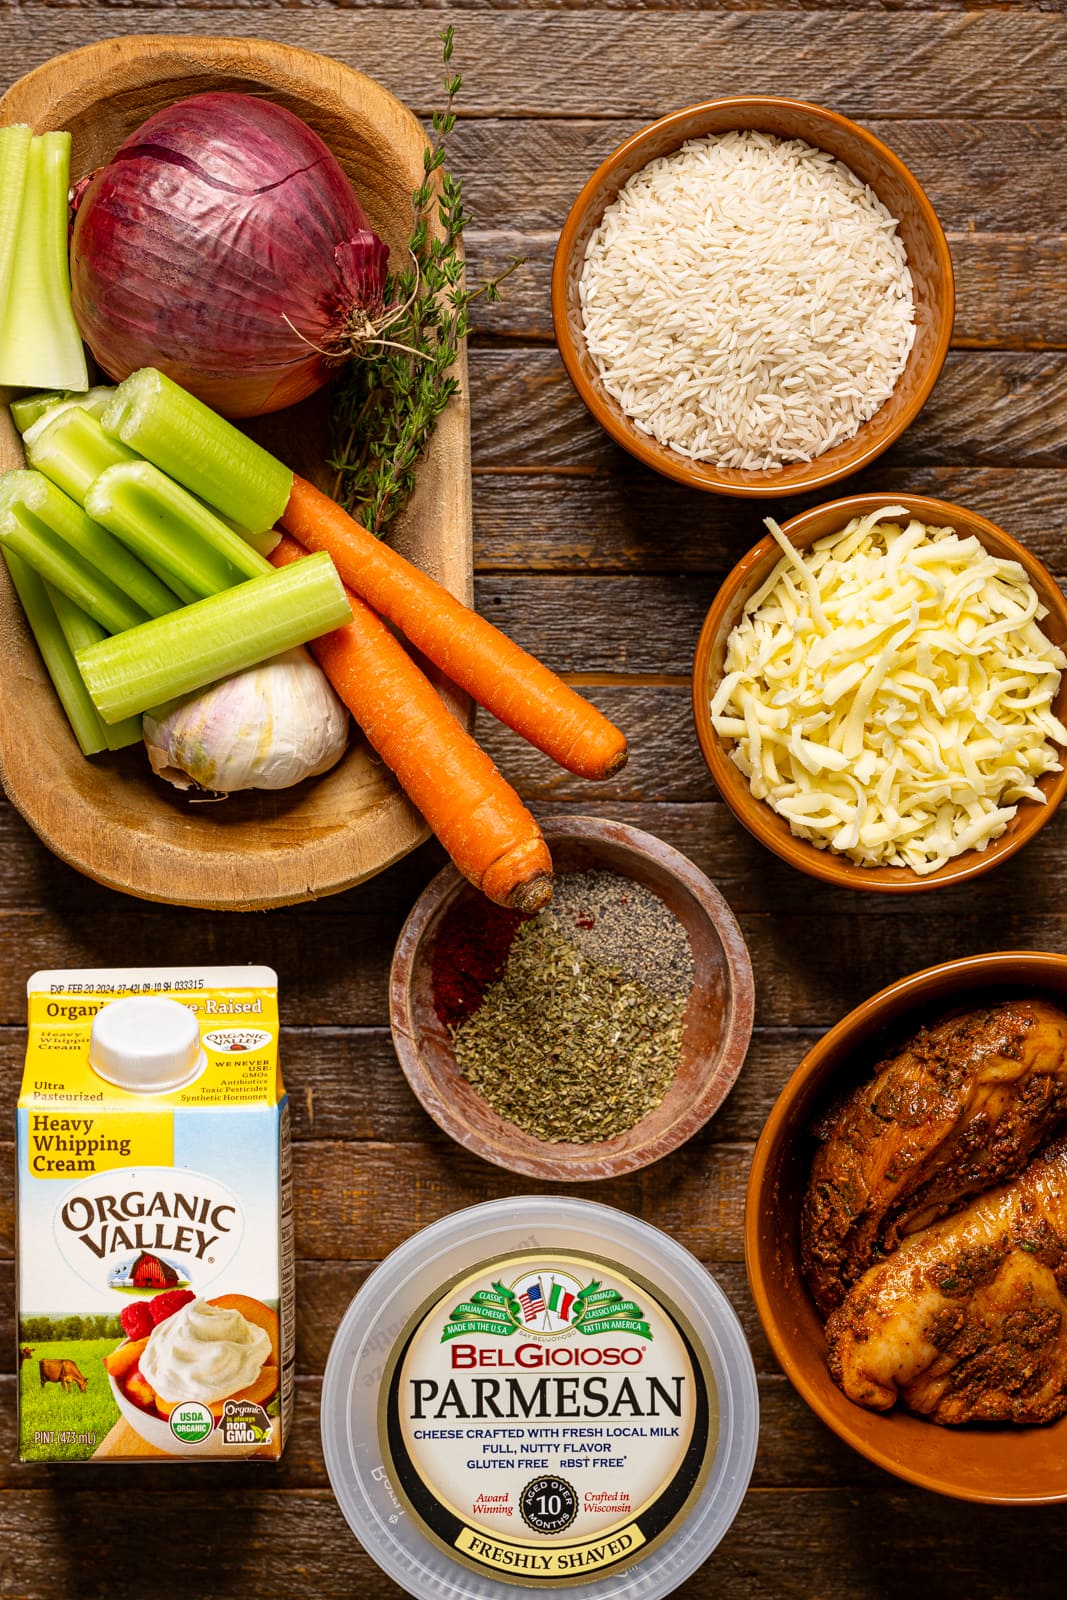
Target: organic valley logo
{"points": [[544, 1303], [125, 1226], [233, 1041]]}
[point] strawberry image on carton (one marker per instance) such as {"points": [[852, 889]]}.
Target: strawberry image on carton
{"points": [[155, 1240]]}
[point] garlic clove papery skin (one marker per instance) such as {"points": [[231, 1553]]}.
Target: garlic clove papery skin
{"points": [[267, 728]]}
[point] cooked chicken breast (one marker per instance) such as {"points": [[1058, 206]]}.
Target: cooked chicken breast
{"points": [[961, 1108], [967, 1320]]}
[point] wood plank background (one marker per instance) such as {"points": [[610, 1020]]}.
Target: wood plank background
{"points": [[606, 571]]}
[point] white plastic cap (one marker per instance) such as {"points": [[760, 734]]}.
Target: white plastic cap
{"points": [[146, 1044]]}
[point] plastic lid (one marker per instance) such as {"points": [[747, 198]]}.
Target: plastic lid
{"points": [[146, 1044], [531, 1261]]}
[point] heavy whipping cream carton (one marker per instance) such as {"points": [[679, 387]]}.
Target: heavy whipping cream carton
{"points": [[155, 1243]]}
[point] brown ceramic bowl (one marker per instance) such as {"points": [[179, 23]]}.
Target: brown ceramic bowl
{"points": [[1002, 1465], [900, 193], [718, 1021], [767, 826]]}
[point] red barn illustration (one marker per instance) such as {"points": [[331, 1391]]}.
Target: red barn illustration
{"points": [[149, 1272]]}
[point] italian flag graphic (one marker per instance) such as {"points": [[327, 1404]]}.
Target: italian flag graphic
{"points": [[560, 1301]]}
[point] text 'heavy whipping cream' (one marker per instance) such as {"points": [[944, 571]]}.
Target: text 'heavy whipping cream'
{"points": [[539, 1392], [155, 1246]]}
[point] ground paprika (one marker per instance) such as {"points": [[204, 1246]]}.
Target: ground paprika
{"points": [[469, 953]]}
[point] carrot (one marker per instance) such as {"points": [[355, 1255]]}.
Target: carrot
{"points": [[478, 817], [496, 672]]}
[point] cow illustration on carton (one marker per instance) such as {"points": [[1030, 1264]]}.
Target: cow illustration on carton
{"points": [[57, 1369]]}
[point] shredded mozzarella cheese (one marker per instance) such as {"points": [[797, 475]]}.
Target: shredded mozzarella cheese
{"points": [[889, 692]]}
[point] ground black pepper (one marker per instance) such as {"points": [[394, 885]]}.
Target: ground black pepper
{"points": [[625, 927]]}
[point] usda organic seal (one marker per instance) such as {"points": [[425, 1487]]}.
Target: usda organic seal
{"points": [[191, 1421]]}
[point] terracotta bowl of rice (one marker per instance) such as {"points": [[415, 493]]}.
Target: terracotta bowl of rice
{"points": [[753, 296], [901, 727]]}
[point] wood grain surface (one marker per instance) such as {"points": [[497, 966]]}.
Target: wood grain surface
{"points": [[606, 571]]}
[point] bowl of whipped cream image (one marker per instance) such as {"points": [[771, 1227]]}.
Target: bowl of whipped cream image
{"points": [[200, 1382]]}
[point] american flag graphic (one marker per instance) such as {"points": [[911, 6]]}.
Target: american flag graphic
{"points": [[532, 1301]]}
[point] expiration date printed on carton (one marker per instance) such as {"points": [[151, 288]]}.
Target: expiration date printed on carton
{"points": [[155, 1241]]}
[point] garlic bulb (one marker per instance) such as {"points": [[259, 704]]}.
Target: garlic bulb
{"points": [[267, 728]]}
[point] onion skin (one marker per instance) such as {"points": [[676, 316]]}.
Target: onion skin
{"points": [[220, 217]]}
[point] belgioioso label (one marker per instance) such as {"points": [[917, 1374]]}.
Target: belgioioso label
{"points": [[548, 1418]]}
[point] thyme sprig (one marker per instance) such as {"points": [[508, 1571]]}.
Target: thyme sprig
{"points": [[386, 402]]}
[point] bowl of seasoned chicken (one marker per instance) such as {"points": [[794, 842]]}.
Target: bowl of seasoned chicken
{"points": [[906, 1228]]}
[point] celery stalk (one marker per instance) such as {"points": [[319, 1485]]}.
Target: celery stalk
{"points": [[79, 630], [35, 515], [84, 719], [199, 449], [30, 408], [40, 347], [95, 400], [173, 655], [263, 542], [56, 538], [15, 144], [171, 530], [70, 447]]}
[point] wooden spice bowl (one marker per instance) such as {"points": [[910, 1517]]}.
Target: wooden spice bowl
{"points": [[757, 816], [718, 1019], [1002, 1465], [109, 817], [919, 230]]}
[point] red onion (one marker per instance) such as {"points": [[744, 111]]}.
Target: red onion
{"points": [[224, 245]]}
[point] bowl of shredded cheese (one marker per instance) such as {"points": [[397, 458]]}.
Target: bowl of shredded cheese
{"points": [[880, 694], [753, 296]]}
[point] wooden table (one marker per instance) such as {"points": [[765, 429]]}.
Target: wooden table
{"points": [[605, 571]]}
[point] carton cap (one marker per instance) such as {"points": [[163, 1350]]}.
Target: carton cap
{"points": [[146, 1044]]}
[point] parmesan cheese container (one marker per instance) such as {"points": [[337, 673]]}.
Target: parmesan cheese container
{"points": [[155, 1246], [540, 1393]]}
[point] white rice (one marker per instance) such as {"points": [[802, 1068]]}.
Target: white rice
{"points": [[747, 301]]}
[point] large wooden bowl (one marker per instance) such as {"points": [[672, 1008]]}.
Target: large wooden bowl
{"points": [[718, 1018], [110, 817]]}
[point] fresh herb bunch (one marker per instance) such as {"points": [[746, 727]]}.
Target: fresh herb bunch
{"points": [[386, 403]]}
